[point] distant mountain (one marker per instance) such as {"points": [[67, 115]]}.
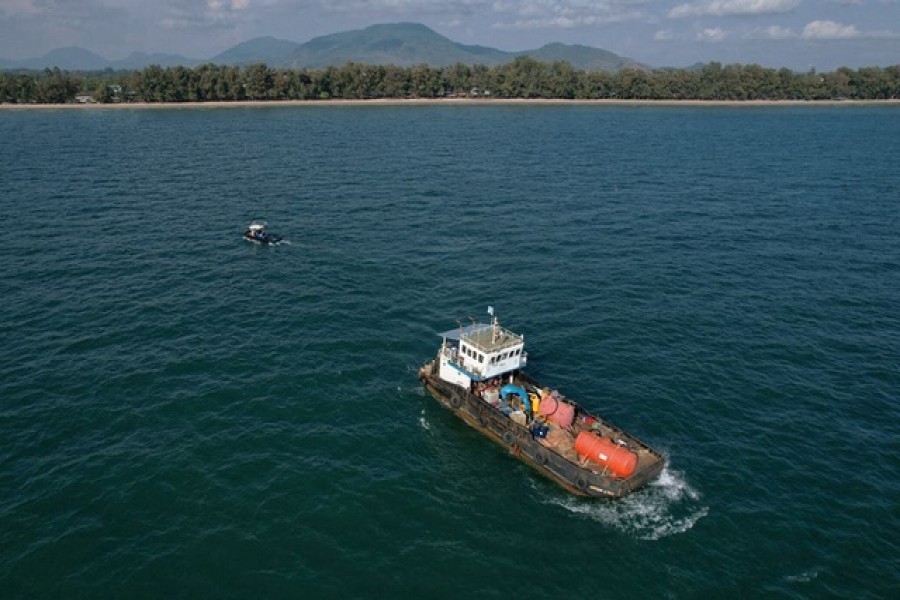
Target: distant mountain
{"points": [[267, 50], [139, 60], [400, 44], [407, 44], [696, 67], [79, 59], [583, 57], [69, 59]]}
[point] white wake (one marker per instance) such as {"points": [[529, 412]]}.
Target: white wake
{"points": [[668, 506], [423, 422]]}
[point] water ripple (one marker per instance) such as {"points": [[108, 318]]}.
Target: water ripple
{"points": [[187, 414]]}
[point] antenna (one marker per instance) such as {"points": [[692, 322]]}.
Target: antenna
{"points": [[494, 324]]}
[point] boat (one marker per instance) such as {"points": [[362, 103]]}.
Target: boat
{"points": [[258, 234], [479, 375]]}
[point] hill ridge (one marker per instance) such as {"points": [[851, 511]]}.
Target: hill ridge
{"points": [[400, 44]]}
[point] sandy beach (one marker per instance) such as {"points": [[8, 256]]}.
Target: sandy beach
{"points": [[446, 102]]}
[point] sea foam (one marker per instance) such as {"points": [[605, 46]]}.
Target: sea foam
{"points": [[668, 506]]}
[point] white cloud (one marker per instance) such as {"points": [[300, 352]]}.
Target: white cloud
{"points": [[407, 7], [217, 5], [721, 8], [56, 14], [711, 34], [202, 15], [566, 14], [663, 35], [18, 8], [523, 14], [819, 30], [557, 22], [773, 32], [829, 30]]}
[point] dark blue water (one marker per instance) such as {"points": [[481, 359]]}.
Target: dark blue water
{"points": [[185, 414]]}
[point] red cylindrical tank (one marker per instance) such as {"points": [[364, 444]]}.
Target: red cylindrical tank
{"points": [[603, 451], [561, 413]]}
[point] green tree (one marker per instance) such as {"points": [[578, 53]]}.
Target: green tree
{"points": [[458, 78], [56, 87], [710, 83], [259, 81], [103, 93], [562, 81]]}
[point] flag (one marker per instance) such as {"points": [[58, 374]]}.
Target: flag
{"points": [[491, 310]]}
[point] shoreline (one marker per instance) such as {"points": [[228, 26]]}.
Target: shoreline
{"points": [[446, 102]]}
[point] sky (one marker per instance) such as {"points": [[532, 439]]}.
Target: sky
{"points": [[798, 34]]}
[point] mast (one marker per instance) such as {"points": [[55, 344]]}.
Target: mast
{"points": [[494, 325]]}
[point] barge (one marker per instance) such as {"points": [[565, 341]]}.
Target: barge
{"points": [[478, 375]]}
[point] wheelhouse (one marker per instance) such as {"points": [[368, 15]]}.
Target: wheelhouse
{"points": [[479, 352]]}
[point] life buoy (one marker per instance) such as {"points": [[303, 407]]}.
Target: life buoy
{"points": [[508, 437], [540, 457], [455, 401]]}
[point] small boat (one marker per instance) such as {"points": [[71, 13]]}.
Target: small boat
{"points": [[478, 374], [258, 234]]}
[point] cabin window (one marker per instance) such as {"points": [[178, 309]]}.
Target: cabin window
{"points": [[481, 358]]}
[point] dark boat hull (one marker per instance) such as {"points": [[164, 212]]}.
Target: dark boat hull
{"points": [[520, 442], [272, 240]]}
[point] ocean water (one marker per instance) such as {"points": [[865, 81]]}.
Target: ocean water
{"points": [[184, 414]]}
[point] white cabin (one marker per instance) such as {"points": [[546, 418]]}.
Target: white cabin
{"points": [[480, 352]]}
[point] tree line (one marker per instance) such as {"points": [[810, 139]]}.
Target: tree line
{"points": [[521, 78]]}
